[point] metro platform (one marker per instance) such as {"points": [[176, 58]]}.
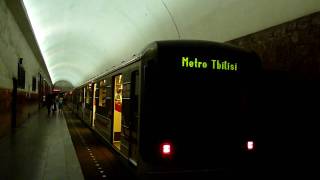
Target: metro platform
{"points": [[41, 148]]}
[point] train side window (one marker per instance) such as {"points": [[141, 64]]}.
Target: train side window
{"points": [[89, 96], [102, 93], [80, 96]]}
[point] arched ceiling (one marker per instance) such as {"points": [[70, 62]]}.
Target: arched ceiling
{"points": [[80, 39], [63, 86]]}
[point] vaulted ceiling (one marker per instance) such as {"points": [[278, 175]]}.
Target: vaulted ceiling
{"points": [[80, 39]]}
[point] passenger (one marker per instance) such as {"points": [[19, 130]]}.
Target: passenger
{"points": [[49, 103], [60, 103], [43, 100], [55, 101]]}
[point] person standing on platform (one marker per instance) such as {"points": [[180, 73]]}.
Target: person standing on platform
{"points": [[43, 100], [60, 103], [55, 101], [49, 103]]}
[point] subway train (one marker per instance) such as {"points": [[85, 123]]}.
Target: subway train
{"points": [[179, 107]]}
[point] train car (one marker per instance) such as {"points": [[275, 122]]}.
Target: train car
{"points": [[179, 107]]}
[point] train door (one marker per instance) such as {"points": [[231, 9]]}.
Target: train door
{"points": [[83, 104], [94, 104], [89, 104], [134, 117], [117, 114]]}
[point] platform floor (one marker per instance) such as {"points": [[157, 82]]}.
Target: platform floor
{"points": [[40, 149], [99, 161]]}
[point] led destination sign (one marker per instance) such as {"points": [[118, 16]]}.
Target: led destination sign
{"points": [[223, 65]]}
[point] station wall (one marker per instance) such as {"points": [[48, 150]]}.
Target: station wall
{"points": [[289, 90], [291, 47], [14, 46]]}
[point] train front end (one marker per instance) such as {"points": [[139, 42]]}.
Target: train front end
{"points": [[198, 112]]}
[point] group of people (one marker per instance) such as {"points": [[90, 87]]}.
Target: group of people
{"points": [[54, 103]]}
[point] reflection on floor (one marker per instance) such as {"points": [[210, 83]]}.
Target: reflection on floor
{"points": [[41, 148], [117, 144]]}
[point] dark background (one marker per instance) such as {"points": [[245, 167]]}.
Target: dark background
{"points": [[289, 95]]}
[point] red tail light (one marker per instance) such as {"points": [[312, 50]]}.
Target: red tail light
{"points": [[250, 145], [166, 150]]}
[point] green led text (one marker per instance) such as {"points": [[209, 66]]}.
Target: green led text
{"points": [[193, 64], [223, 65]]}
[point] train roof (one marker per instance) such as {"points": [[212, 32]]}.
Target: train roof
{"points": [[194, 44], [161, 47]]}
